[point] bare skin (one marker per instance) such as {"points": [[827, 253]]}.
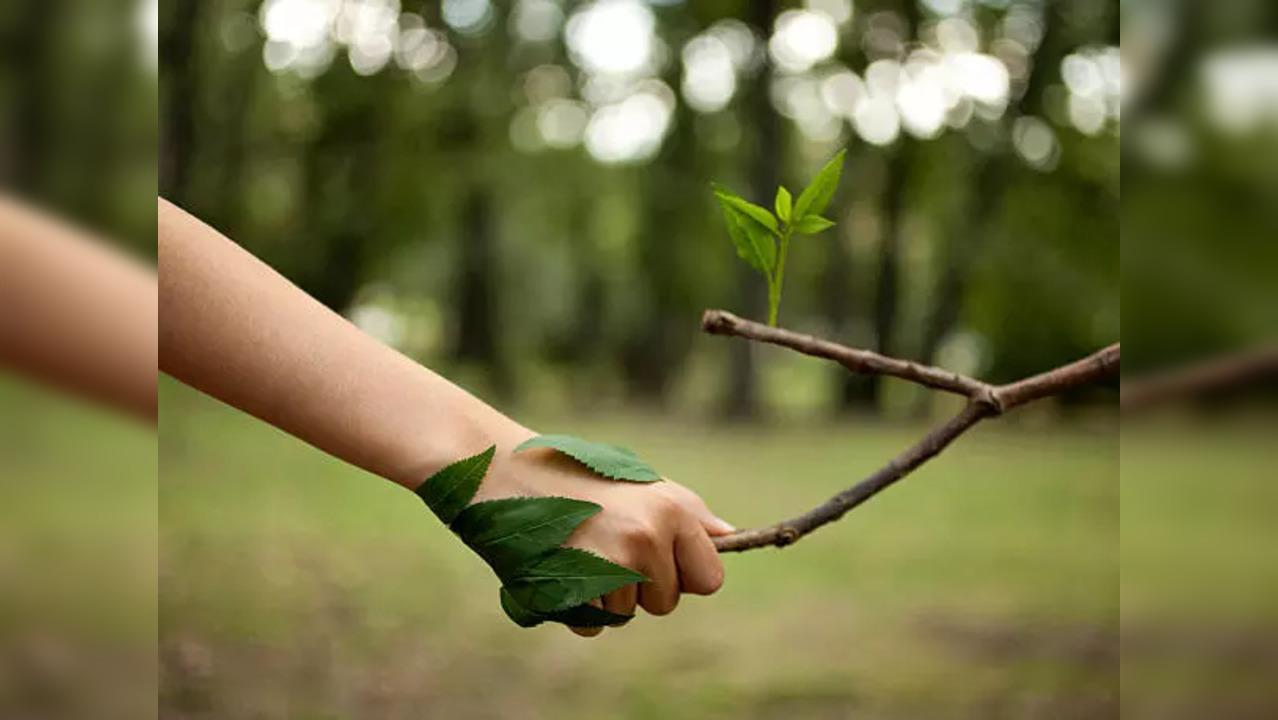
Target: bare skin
{"points": [[74, 313], [235, 329]]}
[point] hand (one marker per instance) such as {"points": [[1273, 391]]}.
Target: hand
{"points": [[660, 529]]}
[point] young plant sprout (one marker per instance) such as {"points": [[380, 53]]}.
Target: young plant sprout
{"points": [[763, 239]]}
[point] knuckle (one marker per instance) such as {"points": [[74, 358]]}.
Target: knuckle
{"points": [[667, 504], [641, 536], [683, 495]]}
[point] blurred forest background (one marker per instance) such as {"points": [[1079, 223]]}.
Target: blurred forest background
{"points": [[78, 112], [516, 193], [519, 192]]}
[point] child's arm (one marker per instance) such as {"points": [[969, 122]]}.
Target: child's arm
{"points": [[74, 313], [235, 329]]}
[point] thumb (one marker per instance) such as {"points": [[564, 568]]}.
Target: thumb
{"points": [[714, 524]]}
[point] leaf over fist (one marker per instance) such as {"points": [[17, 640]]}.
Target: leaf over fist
{"points": [[579, 533]]}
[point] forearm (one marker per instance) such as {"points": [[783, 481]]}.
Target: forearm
{"points": [[232, 327], [76, 314]]}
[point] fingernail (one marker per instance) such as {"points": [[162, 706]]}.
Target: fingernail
{"points": [[725, 525]]}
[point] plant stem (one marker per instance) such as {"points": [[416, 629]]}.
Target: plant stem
{"points": [[778, 280]]}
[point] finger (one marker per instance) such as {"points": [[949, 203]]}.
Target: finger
{"points": [[716, 525], [700, 569], [622, 601], [589, 631], [660, 594], [693, 502]]}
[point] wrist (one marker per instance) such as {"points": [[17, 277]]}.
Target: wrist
{"points": [[464, 433]]}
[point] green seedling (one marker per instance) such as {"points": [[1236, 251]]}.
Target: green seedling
{"points": [[763, 239]]}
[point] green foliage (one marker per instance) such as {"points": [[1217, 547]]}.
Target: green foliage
{"points": [[754, 212], [813, 224], [783, 204], [610, 461], [579, 616], [521, 538], [509, 531], [816, 196], [763, 239], [451, 489], [753, 241], [565, 578]]}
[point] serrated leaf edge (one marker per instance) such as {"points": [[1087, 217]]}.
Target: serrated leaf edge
{"points": [[540, 440], [476, 467]]}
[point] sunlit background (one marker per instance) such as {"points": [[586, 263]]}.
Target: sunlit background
{"points": [[476, 182], [517, 194]]}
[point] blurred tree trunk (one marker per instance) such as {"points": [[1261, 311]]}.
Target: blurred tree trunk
{"points": [[742, 402], [651, 350], [652, 353], [586, 345], [476, 298], [180, 99], [865, 391], [992, 171], [482, 124], [240, 86], [29, 50], [340, 188], [839, 298]]}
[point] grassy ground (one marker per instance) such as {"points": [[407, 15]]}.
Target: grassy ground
{"points": [[77, 560], [984, 586]]}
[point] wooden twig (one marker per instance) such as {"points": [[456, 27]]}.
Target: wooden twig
{"points": [[984, 400], [1200, 378], [720, 322]]}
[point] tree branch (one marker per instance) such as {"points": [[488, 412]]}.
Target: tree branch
{"points": [[720, 322], [984, 400], [1200, 378]]}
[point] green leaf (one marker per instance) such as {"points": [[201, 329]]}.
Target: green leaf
{"points": [[814, 198], [812, 225], [522, 616], [521, 538], [783, 203], [579, 616], [566, 577], [754, 242], [610, 461], [754, 212], [511, 531], [589, 616], [450, 490]]}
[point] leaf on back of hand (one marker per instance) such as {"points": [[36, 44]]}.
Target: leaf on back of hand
{"points": [[812, 225], [450, 490], [754, 212], [610, 461], [783, 204], [565, 578], [512, 531], [814, 199]]}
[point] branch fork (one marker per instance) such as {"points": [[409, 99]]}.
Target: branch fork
{"points": [[984, 400]]}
